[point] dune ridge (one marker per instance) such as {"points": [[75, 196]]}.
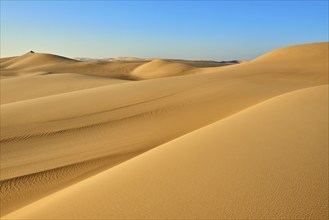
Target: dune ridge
{"points": [[95, 110]]}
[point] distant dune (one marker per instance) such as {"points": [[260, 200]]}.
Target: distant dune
{"points": [[161, 68], [34, 60], [165, 138], [131, 68]]}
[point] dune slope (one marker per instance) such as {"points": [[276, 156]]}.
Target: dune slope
{"points": [[277, 168]]}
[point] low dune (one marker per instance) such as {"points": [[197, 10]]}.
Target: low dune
{"points": [[234, 141], [161, 68], [34, 61]]}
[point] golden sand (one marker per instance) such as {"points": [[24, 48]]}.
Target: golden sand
{"points": [[165, 138]]}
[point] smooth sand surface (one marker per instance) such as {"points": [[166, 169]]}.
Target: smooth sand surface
{"points": [[264, 155]]}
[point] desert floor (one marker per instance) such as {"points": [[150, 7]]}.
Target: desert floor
{"points": [[165, 139]]}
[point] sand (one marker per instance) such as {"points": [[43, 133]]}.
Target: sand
{"points": [[165, 138]]}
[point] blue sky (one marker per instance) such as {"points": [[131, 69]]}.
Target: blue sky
{"points": [[216, 30]]}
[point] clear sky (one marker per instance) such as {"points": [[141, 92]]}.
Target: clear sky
{"points": [[217, 30]]}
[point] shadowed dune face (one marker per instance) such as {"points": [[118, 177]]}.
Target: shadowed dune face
{"points": [[63, 121]]}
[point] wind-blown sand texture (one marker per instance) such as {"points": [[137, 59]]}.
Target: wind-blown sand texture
{"points": [[165, 139]]}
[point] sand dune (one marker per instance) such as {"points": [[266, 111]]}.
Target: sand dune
{"points": [[161, 68], [204, 63], [61, 123], [294, 53], [31, 63], [122, 68], [35, 60], [210, 173]]}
